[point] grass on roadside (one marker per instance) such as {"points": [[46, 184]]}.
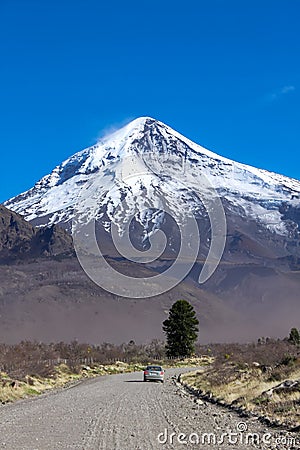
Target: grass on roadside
{"points": [[253, 386], [12, 389]]}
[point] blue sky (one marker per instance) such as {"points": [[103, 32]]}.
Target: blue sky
{"points": [[224, 73]]}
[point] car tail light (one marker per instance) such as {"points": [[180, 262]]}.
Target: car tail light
{"points": [[162, 372], [146, 372]]}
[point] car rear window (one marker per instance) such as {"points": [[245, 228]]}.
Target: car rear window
{"points": [[157, 368]]}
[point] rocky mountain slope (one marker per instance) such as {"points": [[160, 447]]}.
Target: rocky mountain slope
{"points": [[19, 240]]}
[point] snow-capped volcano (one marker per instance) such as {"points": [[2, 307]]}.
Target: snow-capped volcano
{"points": [[132, 169], [139, 181]]}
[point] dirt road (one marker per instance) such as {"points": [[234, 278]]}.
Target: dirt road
{"points": [[120, 412]]}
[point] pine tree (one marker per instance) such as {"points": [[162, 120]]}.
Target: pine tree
{"points": [[181, 329], [294, 336]]}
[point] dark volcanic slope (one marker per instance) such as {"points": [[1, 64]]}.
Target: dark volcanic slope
{"points": [[53, 300], [45, 294], [15, 233], [19, 240]]}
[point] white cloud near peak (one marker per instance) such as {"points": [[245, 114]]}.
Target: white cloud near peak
{"points": [[281, 92]]}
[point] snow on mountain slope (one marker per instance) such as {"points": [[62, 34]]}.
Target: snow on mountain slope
{"points": [[144, 161]]}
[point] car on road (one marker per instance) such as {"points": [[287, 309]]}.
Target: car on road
{"points": [[154, 373]]}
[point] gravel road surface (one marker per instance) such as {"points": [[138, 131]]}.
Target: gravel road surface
{"points": [[121, 412]]}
